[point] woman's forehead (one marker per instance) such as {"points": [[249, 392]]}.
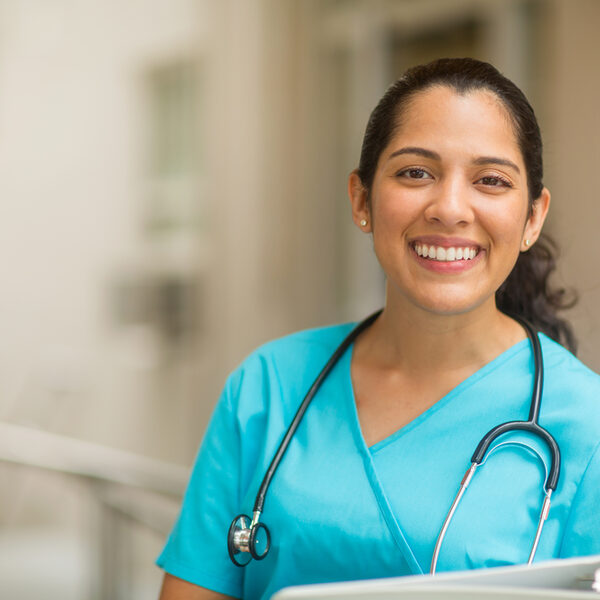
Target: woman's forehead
{"points": [[442, 116]]}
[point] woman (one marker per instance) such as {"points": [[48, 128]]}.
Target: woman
{"points": [[450, 187]]}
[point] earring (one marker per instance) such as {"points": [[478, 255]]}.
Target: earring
{"points": [[527, 243], [363, 222]]}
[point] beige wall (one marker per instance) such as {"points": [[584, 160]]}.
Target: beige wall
{"points": [[572, 135], [71, 209]]}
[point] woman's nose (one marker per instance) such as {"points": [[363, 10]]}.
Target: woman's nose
{"points": [[450, 203]]}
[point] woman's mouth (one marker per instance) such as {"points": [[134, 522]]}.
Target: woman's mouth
{"points": [[445, 254]]}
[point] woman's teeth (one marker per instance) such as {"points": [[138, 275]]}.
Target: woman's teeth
{"points": [[445, 254]]}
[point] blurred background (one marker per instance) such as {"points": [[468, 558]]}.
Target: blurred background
{"points": [[173, 193]]}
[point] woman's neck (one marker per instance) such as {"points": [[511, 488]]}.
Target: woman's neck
{"points": [[419, 341]]}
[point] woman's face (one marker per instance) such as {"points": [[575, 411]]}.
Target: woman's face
{"points": [[449, 202]]}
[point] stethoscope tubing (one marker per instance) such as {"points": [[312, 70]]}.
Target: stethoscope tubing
{"points": [[244, 539], [531, 424], [285, 442]]}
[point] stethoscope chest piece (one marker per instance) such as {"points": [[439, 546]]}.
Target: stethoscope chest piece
{"points": [[247, 539]]}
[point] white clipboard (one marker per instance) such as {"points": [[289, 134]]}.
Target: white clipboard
{"points": [[564, 579]]}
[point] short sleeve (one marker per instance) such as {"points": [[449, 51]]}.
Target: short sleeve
{"points": [[582, 532], [196, 550]]}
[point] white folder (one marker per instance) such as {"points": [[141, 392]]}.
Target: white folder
{"points": [[564, 579]]}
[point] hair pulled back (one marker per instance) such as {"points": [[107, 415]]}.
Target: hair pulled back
{"points": [[527, 291]]}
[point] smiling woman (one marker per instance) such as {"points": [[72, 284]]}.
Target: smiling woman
{"points": [[450, 187], [526, 290]]}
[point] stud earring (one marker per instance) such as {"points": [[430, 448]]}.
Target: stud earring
{"points": [[527, 243], [363, 222]]}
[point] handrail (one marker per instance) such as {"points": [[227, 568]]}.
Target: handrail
{"points": [[154, 512], [36, 448]]}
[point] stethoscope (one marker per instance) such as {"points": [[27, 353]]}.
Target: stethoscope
{"points": [[248, 536]]}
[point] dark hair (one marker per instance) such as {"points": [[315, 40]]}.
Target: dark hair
{"points": [[527, 291]]}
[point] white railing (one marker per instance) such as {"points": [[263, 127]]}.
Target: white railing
{"points": [[130, 491], [35, 448]]}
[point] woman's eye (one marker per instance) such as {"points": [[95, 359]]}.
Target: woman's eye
{"points": [[494, 181], [414, 173]]}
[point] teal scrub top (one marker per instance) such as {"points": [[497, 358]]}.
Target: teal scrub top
{"points": [[339, 510]]}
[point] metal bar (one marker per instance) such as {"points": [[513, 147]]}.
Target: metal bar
{"points": [[35, 448]]}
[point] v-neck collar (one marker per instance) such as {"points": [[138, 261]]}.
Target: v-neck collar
{"points": [[455, 392], [367, 453]]}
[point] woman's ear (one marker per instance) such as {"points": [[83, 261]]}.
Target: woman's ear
{"points": [[536, 219], [359, 197]]}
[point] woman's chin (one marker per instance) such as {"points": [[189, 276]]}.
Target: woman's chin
{"points": [[450, 304]]}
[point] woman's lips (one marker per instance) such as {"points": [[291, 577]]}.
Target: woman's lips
{"points": [[447, 258]]}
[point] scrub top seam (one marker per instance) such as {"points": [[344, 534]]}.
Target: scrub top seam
{"points": [[279, 383], [269, 456], [377, 489], [388, 514]]}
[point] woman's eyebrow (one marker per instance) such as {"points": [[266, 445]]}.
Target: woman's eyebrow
{"points": [[416, 150], [494, 160], [482, 160]]}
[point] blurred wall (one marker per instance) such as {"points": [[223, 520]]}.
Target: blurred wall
{"points": [[571, 97], [132, 287], [74, 183]]}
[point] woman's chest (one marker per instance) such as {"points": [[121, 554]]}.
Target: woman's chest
{"points": [[388, 402]]}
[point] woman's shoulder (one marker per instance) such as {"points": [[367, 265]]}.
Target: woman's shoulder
{"points": [[319, 339], [564, 370], [571, 399], [308, 345], [285, 366]]}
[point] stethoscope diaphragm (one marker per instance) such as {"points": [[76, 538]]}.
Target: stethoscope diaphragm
{"points": [[247, 539]]}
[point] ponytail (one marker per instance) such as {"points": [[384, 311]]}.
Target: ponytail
{"points": [[528, 292]]}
